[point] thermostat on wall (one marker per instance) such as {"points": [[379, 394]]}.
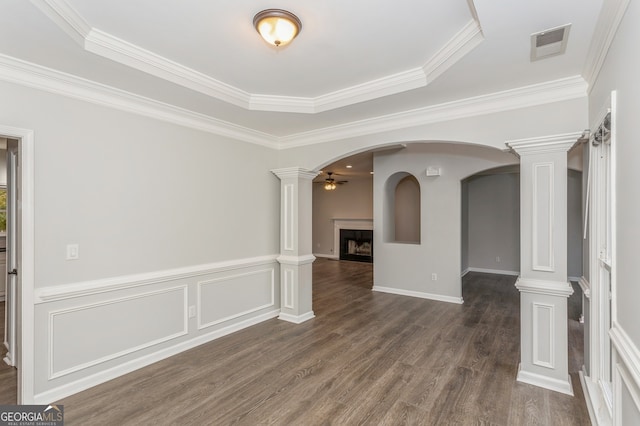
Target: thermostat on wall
{"points": [[433, 171]]}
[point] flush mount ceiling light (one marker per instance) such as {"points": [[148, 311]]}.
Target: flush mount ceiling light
{"points": [[278, 27]]}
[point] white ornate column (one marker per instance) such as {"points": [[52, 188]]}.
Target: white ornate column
{"points": [[543, 283], [296, 256]]}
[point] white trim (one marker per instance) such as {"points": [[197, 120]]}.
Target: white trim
{"points": [[609, 20], [296, 319], [296, 260], [465, 40], [327, 256], [288, 289], [557, 385], [598, 412], [288, 216], [80, 289], [585, 286], [521, 97], [573, 279], [419, 294], [623, 378], [627, 351], [544, 144], [551, 288], [118, 50], [539, 307], [76, 386], [545, 265], [52, 314], [27, 74], [201, 284], [465, 272], [338, 224], [491, 271], [26, 335]]}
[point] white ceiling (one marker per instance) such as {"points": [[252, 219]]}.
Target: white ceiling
{"points": [[353, 60]]}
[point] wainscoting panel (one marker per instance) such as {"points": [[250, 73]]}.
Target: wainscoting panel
{"points": [[223, 299], [543, 336], [77, 339], [542, 224], [87, 333]]}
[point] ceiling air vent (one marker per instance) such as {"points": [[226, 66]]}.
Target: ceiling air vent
{"points": [[550, 42]]}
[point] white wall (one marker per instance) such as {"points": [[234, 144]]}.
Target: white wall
{"points": [[620, 72], [353, 200], [166, 218], [408, 268]]}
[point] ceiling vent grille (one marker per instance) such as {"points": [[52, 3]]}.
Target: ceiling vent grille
{"points": [[549, 42]]}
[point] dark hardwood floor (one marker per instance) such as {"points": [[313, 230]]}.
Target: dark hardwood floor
{"points": [[8, 375], [367, 358]]}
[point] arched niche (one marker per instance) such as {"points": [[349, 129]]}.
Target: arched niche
{"points": [[402, 215]]}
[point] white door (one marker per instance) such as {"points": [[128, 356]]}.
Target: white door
{"points": [[12, 250]]}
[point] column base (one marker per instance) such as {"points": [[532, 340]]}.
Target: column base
{"points": [[296, 319], [562, 386]]}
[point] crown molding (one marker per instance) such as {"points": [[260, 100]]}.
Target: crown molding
{"points": [[121, 51], [467, 39], [608, 22], [118, 50], [26, 74], [31, 75], [65, 17], [522, 97], [544, 144]]}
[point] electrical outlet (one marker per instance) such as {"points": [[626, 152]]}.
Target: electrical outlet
{"points": [[192, 311], [497, 259], [434, 277]]}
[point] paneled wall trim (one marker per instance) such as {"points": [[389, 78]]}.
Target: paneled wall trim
{"points": [[86, 288], [173, 311]]}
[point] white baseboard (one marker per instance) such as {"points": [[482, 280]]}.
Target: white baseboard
{"points": [[296, 319], [492, 271], [574, 279], [465, 272], [85, 383], [327, 256], [419, 294], [562, 386], [598, 412]]}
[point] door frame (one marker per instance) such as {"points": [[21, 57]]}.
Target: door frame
{"points": [[25, 338]]}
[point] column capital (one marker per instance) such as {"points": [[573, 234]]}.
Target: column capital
{"points": [[549, 288], [295, 172], [544, 144]]}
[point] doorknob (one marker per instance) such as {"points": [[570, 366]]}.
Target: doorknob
{"points": [[14, 271]]}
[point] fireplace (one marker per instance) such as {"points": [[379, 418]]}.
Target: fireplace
{"points": [[356, 244]]}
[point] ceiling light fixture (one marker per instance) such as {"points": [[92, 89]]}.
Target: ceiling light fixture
{"points": [[276, 26]]}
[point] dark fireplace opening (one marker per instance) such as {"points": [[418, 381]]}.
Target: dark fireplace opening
{"points": [[356, 244]]}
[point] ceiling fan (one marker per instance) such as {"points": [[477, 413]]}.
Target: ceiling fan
{"points": [[330, 183]]}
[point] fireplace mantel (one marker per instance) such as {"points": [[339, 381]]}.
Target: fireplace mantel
{"points": [[347, 223]]}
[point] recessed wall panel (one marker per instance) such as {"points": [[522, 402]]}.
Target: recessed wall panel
{"points": [[87, 335], [222, 299], [542, 226]]}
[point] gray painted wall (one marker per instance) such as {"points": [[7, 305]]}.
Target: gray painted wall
{"points": [[353, 200], [409, 267], [494, 222]]}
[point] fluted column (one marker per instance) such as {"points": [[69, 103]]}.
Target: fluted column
{"points": [[296, 255], [543, 281]]}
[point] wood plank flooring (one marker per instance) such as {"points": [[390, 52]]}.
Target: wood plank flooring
{"points": [[367, 358]]}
